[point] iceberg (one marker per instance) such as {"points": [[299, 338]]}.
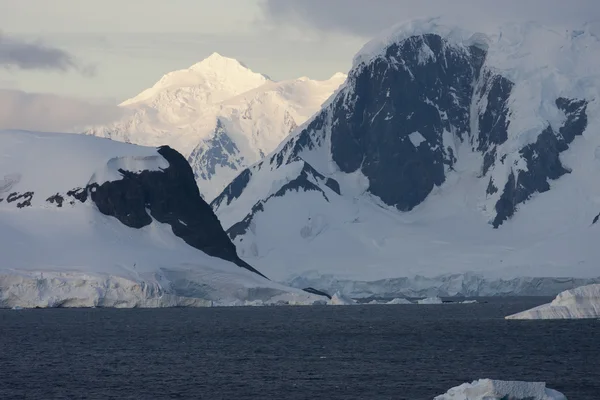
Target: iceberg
{"points": [[430, 300], [581, 302], [487, 389], [339, 299], [399, 301]]}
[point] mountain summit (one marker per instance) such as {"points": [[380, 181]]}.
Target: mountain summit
{"points": [[213, 79], [219, 114]]}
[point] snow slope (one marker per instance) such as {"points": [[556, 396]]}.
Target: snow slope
{"points": [[220, 114], [582, 302], [487, 389], [58, 249], [499, 182]]}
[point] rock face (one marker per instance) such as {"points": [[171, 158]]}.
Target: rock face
{"points": [[169, 196], [421, 87]]}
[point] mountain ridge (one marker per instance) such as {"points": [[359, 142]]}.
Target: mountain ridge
{"points": [[423, 137]]}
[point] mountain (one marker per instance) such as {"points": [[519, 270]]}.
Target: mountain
{"points": [[445, 153], [220, 115], [91, 222]]}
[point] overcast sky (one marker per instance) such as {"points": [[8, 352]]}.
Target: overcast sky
{"points": [[113, 49]]}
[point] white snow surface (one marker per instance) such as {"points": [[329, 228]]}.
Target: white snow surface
{"points": [[416, 138], [582, 302], [183, 107], [487, 389], [355, 237], [74, 256], [49, 163]]}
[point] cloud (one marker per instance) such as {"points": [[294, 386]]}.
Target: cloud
{"points": [[48, 112], [20, 54], [366, 18]]}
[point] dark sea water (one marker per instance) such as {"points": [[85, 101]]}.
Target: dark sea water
{"points": [[360, 352]]}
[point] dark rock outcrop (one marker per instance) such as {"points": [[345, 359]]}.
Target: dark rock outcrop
{"points": [[56, 199], [22, 199], [233, 190], [317, 292], [422, 86], [170, 196], [307, 180], [543, 160]]}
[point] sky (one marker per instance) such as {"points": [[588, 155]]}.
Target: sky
{"points": [[69, 53]]}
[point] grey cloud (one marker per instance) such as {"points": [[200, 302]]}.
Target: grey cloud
{"points": [[20, 54], [47, 112], [368, 17]]}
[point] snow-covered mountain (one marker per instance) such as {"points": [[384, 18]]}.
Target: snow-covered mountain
{"points": [[92, 222], [445, 152], [220, 115]]}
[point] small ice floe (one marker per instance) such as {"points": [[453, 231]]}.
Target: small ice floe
{"points": [[487, 389], [430, 300]]}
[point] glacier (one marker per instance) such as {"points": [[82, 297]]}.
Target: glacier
{"points": [[578, 303], [488, 389], [467, 284], [85, 222]]}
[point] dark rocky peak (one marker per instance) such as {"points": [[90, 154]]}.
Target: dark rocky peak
{"points": [[398, 121], [218, 151]]}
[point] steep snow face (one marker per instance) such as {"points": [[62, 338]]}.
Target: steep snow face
{"points": [[436, 138], [487, 389], [92, 222], [220, 115], [582, 302]]}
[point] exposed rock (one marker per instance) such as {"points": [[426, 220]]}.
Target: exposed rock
{"points": [[317, 292], [422, 85], [15, 196], [170, 196], [57, 198]]}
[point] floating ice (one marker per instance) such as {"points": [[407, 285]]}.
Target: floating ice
{"points": [[487, 389], [430, 300], [582, 302]]}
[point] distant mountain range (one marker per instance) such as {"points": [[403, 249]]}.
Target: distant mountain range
{"points": [[220, 115]]}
